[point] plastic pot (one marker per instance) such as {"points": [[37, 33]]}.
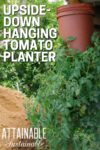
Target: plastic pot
{"points": [[76, 20]]}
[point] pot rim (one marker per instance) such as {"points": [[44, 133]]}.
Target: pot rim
{"points": [[80, 7]]}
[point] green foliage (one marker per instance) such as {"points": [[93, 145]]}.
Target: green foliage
{"points": [[71, 38], [26, 76], [68, 97]]}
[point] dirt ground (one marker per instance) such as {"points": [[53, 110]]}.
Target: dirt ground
{"points": [[12, 112]]}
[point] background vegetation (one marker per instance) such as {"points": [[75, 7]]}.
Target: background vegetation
{"points": [[66, 92]]}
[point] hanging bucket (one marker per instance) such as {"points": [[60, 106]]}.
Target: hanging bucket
{"points": [[76, 20]]}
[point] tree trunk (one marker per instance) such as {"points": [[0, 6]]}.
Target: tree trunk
{"points": [[22, 2]]}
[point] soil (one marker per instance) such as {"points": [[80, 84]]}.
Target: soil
{"points": [[12, 113]]}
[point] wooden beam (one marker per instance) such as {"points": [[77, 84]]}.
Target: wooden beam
{"points": [[73, 1]]}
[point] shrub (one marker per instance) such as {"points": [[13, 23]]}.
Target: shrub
{"points": [[68, 97]]}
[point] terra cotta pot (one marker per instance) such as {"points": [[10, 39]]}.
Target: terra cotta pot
{"points": [[76, 20]]}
